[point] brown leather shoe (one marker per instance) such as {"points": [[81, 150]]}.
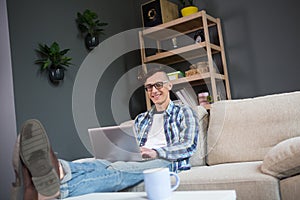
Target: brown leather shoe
{"points": [[30, 192], [16, 188], [54, 161], [38, 158]]}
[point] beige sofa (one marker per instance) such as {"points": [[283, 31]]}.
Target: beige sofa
{"points": [[251, 146]]}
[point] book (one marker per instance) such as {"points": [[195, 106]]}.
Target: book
{"points": [[187, 96], [181, 97]]}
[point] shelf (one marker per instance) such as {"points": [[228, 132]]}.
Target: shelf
{"points": [[179, 26], [190, 52], [197, 77], [182, 54]]}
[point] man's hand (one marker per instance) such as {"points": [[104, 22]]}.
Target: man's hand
{"points": [[148, 153]]}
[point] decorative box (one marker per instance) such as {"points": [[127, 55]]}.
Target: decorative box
{"points": [[156, 12], [175, 75]]}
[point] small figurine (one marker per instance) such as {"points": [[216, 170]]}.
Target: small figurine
{"points": [[199, 37]]}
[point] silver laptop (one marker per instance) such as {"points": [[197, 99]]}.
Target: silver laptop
{"points": [[115, 143]]}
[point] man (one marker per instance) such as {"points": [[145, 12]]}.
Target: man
{"points": [[171, 131], [167, 132]]}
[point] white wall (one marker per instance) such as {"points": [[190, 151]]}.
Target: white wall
{"points": [[8, 130]]}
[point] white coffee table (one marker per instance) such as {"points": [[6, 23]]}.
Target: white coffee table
{"points": [[199, 195]]}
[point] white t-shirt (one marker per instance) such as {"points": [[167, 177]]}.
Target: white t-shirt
{"points": [[156, 136]]}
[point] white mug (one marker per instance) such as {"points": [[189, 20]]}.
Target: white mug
{"points": [[158, 183]]}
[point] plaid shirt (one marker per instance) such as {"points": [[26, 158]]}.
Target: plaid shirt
{"points": [[181, 127]]}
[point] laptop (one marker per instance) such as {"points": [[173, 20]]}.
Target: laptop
{"points": [[115, 143]]}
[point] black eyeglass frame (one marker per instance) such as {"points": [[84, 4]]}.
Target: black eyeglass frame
{"points": [[157, 85]]}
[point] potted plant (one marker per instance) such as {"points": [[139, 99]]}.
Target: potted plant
{"points": [[54, 60], [89, 24], [188, 7]]}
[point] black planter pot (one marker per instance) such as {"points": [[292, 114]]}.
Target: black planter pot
{"points": [[56, 74], [91, 41]]}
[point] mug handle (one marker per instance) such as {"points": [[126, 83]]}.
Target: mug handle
{"points": [[174, 187]]}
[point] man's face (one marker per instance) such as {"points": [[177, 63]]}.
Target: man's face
{"points": [[159, 95]]}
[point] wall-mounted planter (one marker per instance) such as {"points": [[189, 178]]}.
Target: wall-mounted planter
{"points": [[53, 60], [91, 41], [89, 24], [56, 74]]}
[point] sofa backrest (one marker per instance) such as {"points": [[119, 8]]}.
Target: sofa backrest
{"points": [[198, 158], [245, 130]]}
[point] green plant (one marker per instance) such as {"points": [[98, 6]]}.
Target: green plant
{"points": [[209, 99], [185, 3], [52, 57], [88, 22]]}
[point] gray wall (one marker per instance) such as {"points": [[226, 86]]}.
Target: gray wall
{"points": [[34, 21], [262, 45], [8, 131]]}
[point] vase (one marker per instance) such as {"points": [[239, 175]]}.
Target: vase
{"points": [[91, 41], [56, 74], [189, 10]]}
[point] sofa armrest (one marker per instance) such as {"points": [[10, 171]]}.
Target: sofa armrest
{"points": [[283, 160]]}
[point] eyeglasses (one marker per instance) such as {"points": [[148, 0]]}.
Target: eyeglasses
{"points": [[157, 85]]}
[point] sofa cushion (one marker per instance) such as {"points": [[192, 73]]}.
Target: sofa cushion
{"points": [[283, 160], [245, 178], [198, 158], [246, 129], [289, 188]]}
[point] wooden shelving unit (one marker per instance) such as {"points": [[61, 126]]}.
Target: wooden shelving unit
{"points": [[206, 49]]}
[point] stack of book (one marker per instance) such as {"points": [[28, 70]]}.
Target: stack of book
{"points": [[186, 96]]}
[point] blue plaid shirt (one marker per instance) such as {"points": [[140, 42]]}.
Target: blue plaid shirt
{"points": [[181, 127]]}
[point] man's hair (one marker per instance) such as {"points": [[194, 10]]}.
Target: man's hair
{"points": [[153, 71]]}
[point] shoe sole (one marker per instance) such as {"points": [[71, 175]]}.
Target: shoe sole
{"points": [[35, 153]]}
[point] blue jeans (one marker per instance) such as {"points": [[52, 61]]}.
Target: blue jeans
{"points": [[103, 176]]}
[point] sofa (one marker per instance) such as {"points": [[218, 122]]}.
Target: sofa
{"points": [[248, 145]]}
